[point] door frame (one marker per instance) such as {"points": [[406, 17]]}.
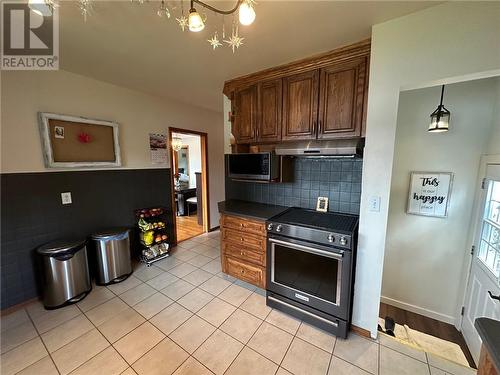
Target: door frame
{"points": [[204, 173], [473, 229]]}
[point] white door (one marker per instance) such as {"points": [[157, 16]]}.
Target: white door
{"points": [[484, 276]]}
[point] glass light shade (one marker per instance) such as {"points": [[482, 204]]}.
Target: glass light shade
{"points": [[246, 13], [195, 21], [40, 7], [176, 144], [441, 125]]}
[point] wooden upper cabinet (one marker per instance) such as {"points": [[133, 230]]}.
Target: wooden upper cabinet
{"points": [[300, 103], [269, 108], [245, 115], [342, 99]]}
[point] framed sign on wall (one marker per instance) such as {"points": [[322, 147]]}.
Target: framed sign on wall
{"points": [[429, 193], [75, 142]]}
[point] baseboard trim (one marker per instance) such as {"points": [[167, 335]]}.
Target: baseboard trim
{"points": [[214, 228], [361, 331], [19, 306], [418, 310]]}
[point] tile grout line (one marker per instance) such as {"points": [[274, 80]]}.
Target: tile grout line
{"points": [[98, 330], [244, 345], [43, 343], [95, 326]]}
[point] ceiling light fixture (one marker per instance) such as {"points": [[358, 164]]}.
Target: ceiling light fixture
{"points": [[195, 21], [176, 144], [440, 118], [163, 11], [246, 12]]}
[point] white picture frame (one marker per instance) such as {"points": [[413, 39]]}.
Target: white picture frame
{"points": [[43, 119], [429, 193], [322, 204]]}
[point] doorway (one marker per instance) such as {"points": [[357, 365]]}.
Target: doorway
{"points": [[483, 289], [189, 178], [428, 244]]}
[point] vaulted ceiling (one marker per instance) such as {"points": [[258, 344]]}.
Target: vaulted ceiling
{"points": [[127, 44]]}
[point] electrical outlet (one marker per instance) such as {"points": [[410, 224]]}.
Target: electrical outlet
{"points": [[374, 204], [66, 198]]}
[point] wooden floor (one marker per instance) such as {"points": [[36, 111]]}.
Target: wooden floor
{"points": [[188, 227], [427, 325]]}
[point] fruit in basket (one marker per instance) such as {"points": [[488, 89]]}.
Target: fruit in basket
{"points": [[164, 237], [158, 239], [148, 237], [143, 225]]}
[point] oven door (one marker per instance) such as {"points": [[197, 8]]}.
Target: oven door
{"points": [[314, 275]]}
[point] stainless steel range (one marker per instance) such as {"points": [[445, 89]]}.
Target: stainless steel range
{"points": [[310, 266]]}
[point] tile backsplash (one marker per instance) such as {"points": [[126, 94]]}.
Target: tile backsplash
{"points": [[337, 179]]}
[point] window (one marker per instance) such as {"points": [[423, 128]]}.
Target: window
{"points": [[489, 248]]}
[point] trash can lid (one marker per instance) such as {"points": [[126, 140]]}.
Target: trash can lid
{"points": [[61, 247], [110, 234]]}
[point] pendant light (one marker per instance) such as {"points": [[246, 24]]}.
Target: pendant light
{"points": [[440, 118]]}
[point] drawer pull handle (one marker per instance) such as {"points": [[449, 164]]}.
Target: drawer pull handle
{"points": [[242, 225], [242, 239], [242, 253], [242, 271]]}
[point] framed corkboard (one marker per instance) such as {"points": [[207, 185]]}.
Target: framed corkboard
{"points": [[75, 142]]}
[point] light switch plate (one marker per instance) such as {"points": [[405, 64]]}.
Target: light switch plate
{"points": [[374, 204], [66, 198]]}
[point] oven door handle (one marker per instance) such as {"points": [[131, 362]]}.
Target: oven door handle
{"points": [[309, 249]]}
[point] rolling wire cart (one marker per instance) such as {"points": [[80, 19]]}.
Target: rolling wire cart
{"points": [[153, 234]]}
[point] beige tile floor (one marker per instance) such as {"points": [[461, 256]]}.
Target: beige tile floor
{"points": [[183, 316]]}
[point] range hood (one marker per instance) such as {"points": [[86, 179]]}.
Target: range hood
{"points": [[340, 148]]}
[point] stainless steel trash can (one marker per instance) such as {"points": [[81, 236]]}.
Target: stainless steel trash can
{"points": [[66, 276], [113, 261]]}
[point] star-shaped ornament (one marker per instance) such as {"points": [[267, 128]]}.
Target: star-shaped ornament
{"points": [[235, 41], [214, 42], [183, 22]]}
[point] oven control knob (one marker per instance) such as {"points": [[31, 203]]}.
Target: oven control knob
{"points": [[331, 238], [343, 241], [270, 226], [279, 228]]}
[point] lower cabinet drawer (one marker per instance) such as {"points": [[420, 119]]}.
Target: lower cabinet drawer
{"points": [[240, 238], [244, 253], [244, 225], [253, 274]]}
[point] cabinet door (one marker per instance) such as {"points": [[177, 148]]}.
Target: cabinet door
{"points": [[270, 100], [245, 115], [300, 106], [341, 99]]}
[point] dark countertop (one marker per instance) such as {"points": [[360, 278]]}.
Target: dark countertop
{"points": [[252, 210], [489, 331]]}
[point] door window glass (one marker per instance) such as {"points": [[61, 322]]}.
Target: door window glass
{"points": [[489, 247]]}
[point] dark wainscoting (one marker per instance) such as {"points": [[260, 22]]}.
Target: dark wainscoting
{"points": [[32, 214]]}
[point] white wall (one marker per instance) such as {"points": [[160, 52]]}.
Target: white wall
{"points": [[424, 256], [450, 40], [494, 144], [24, 93]]}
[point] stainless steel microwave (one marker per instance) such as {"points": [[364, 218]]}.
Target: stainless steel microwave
{"points": [[261, 166]]}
